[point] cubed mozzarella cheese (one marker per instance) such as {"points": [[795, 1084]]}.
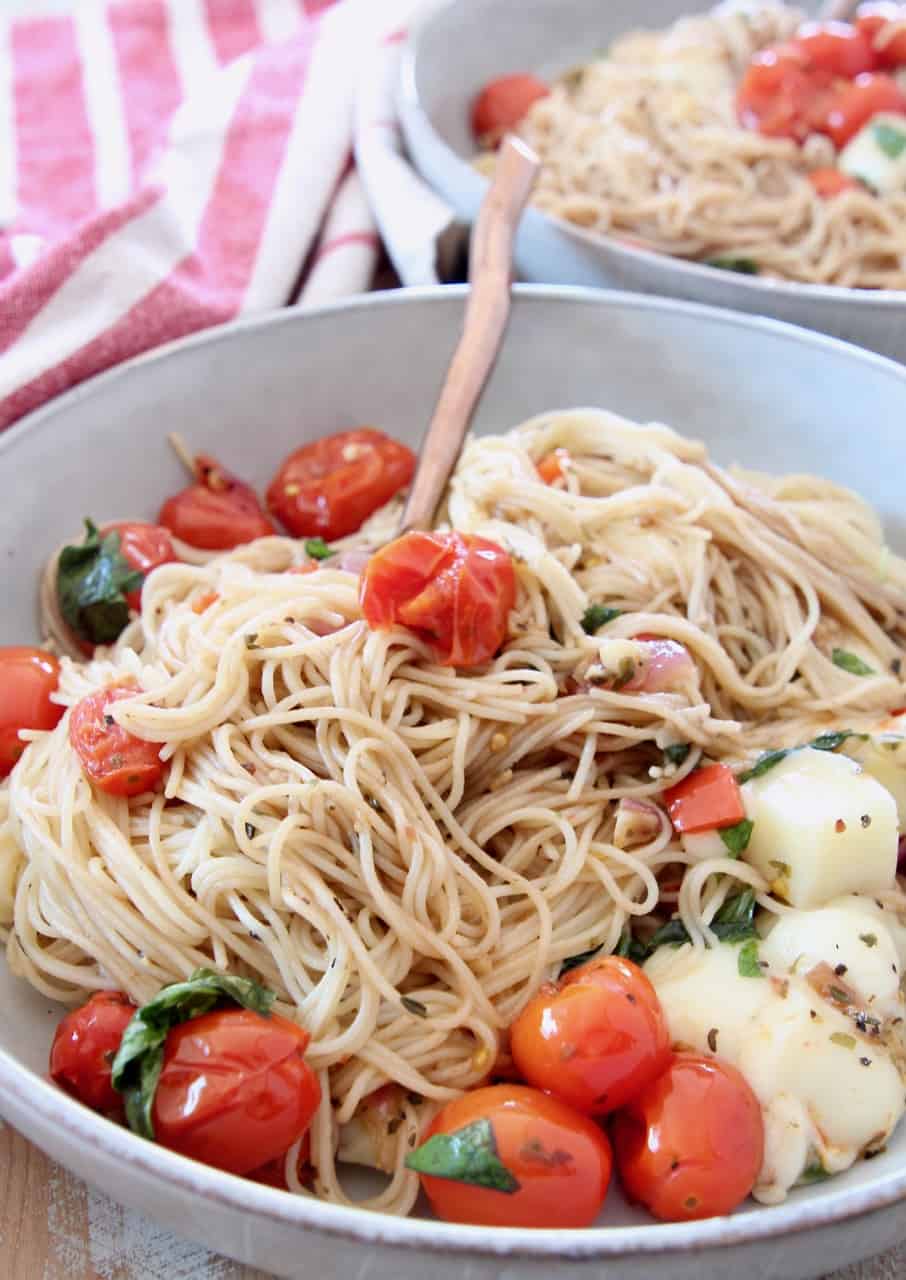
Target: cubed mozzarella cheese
{"points": [[877, 154], [883, 755], [828, 1093], [823, 827]]}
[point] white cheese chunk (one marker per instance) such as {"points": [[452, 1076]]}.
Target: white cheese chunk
{"points": [[884, 757], [823, 827], [877, 154], [828, 1093]]}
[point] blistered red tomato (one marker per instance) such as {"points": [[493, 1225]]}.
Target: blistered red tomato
{"points": [[216, 513], [780, 95], [831, 182], [595, 1039], [543, 1164], [837, 47], [235, 1090], [692, 1143], [872, 19], [84, 1046], [706, 800], [454, 590], [143, 547], [114, 760], [329, 488], [27, 679], [503, 103], [854, 103]]}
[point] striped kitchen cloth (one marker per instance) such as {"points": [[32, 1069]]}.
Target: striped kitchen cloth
{"points": [[167, 165]]}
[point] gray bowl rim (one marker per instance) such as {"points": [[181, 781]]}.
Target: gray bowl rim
{"points": [[57, 1110], [413, 114]]}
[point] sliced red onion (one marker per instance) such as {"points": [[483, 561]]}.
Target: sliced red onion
{"points": [[637, 822], [901, 857], [666, 665]]}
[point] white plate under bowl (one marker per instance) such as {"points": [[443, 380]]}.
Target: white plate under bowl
{"points": [[757, 392], [495, 37]]}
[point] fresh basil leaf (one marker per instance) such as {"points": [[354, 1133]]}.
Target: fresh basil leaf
{"points": [[833, 741], [318, 549], [139, 1059], [850, 662], [763, 765], [677, 752], [468, 1155], [891, 141], [576, 962], [742, 266], [734, 922], [814, 1173], [738, 909], [748, 960], [736, 839], [93, 580], [596, 616]]}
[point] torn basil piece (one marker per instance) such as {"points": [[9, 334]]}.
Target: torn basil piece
{"points": [[736, 839], [469, 1155], [597, 616], [93, 580]]}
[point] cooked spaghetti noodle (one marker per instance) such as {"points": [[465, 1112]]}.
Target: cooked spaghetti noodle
{"points": [[644, 144], [404, 851]]}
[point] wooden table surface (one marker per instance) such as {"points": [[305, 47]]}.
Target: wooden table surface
{"points": [[54, 1227]]}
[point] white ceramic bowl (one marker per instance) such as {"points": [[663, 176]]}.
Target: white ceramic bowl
{"points": [[755, 391], [495, 37]]}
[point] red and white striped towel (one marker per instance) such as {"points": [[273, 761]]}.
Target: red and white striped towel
{"points": [[167, 165]]}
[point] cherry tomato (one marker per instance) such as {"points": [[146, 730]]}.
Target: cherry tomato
{"points": [[454, 590], [706, 800], [871, 19], [143, 547], [27, 679], [595, 1039], [854, 104], [837, 47], [560, 1160], [503, 103], [780, 96], [331, 487], [235, 1090], [115, 761], [550, 468], [84, 1046], [217, 512], [831, 182], [692, 1143]]}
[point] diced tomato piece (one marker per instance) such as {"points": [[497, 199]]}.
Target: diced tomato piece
{"points": [[871, 20], [832, 182], [853, 104], [780, 95], [837, 47], [503, 103], [550, 468], [707, 800]]}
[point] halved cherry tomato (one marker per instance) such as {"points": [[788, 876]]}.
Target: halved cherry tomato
{"points": [[555, 1162], [454, 590], [331, 487], [115, 761], [27, 679], [503, 103], [235, 1090], [780, 95], [143, 547], [706, 800], [837, 47], [84, 1046], [550, 468], [871, 19], [831, 182], [853, 105], [273, 1174], [216, 513], [595, 1039], [692, 1143]]}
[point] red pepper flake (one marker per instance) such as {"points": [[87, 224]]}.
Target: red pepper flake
{"points": [[839, 826]]}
